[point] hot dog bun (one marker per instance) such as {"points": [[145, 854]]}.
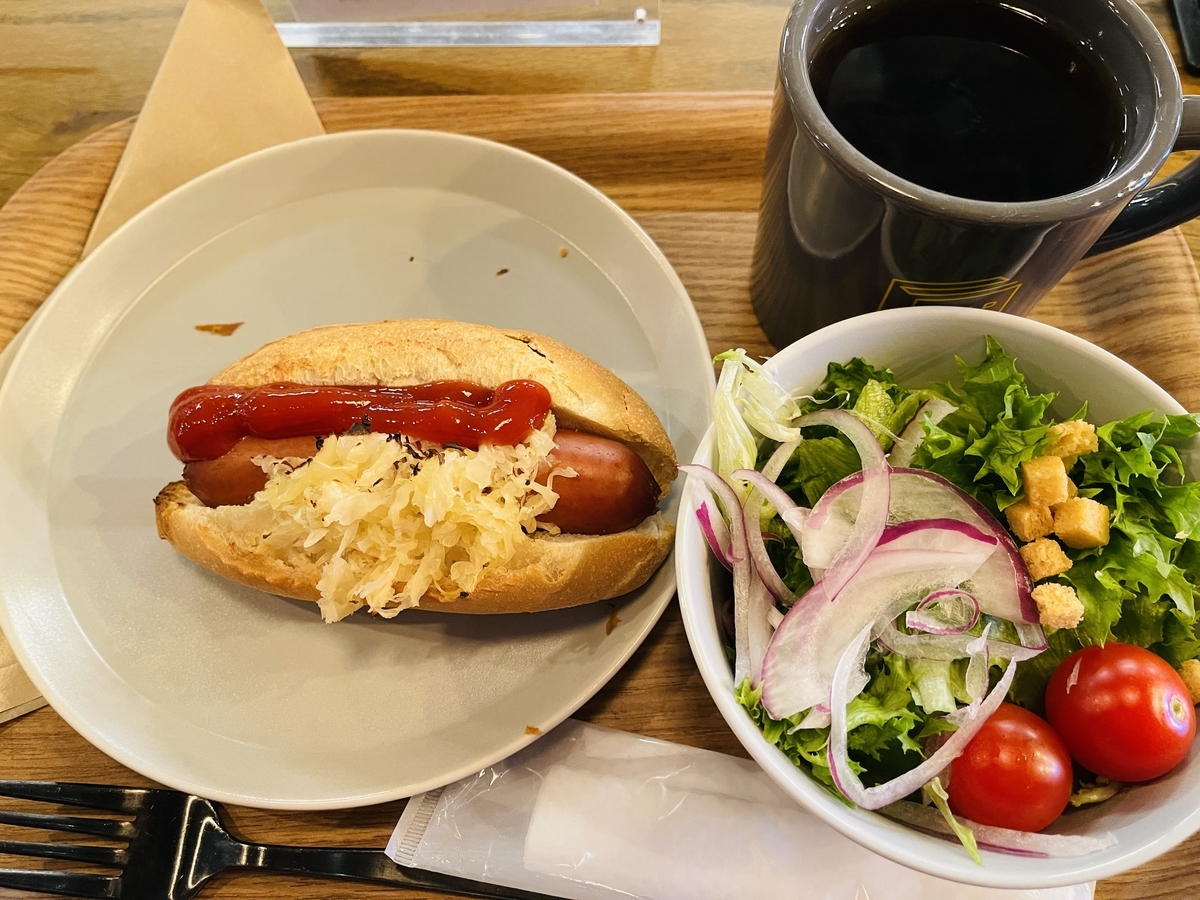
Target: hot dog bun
{"points": [[547, 571]]}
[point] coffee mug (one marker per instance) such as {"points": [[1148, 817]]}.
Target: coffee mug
{"points": [[961, 152]]}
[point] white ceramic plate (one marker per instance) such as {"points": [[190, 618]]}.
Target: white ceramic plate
{"points": [[243, 697], [919, 345]]}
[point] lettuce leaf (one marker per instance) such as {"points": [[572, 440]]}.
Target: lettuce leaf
{"points": [[995, 389], [885, 725], [997, 425], [844, 382], [817, 464], [1181, 505]]}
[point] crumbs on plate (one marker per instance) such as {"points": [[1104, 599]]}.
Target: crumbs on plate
{"points": [[224, 329], [532, 729]]}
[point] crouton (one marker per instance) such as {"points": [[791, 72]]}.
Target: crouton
{"points": [[1044, 558], [1081, 523], [1029, 522], [1190, 673], [1058, 605], [1073, 439], [1072, 491], [1045, 480]]}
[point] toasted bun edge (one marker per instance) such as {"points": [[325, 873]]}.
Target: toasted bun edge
{"points": [[548, 572]]}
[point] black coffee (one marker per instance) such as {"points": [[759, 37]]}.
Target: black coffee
{"points": [[970, 98]]}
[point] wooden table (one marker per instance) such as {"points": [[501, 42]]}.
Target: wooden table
{"points": [[700, 208], [72, 67]]}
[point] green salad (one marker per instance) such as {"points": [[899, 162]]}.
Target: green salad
{"points": [[894, 580]]}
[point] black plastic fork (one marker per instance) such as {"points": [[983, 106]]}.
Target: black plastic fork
{"points": [[176, 842]]}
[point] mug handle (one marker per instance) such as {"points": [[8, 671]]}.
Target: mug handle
{"points": [[1168, 203]]}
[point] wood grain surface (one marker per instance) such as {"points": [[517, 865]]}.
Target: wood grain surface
{"points": [[687, 167], [72, 67]]}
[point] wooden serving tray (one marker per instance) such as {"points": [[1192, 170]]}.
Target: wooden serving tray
{"points": [[687, 167]]}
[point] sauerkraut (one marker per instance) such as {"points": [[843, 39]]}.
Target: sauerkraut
{"points": [[389, 520]]}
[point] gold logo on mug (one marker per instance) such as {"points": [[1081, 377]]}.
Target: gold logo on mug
{"points": [[986, 293]]}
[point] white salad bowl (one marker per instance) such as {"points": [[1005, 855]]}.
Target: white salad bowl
{"points": [[919, 345]]}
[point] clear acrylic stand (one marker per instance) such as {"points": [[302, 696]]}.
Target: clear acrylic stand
{"points": [[471, 23]]}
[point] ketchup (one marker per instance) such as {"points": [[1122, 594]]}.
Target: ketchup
{"points": [[207, 421]]}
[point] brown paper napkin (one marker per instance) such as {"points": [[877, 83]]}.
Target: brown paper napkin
{"points": [[226, 87], [17, 693]]}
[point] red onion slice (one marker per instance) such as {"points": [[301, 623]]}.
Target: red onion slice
{"points": [[774, 465], [946, 647], [763, 566], [976, 678], [1003, 587], [914, 432], [716, 534], [872, 511], [937, 614], [1022, 843], [1032, 636], [788, 510], [765, 571], [759, 606], [798, 670], [764, 487], [792, 514], [932, 534], [743, 572], [816, 718], [849, 670]]}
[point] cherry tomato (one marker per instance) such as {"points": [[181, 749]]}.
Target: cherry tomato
{"points": [[1122, 711], [1014, 773]]}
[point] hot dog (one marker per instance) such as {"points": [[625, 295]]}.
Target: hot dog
{"points": [[572, 519], [611, 490]]}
